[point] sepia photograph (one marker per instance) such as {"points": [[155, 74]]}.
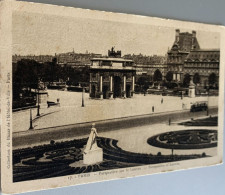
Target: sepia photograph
{"points": [[92, 100], [93, 97]]}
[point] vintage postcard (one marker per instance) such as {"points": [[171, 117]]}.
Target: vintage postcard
{"points": [[89, 96]]}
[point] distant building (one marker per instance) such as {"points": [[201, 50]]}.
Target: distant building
{"points": [[203, 67], [75, 59], [112, 76], [151, 70], [149, 65], [63, 59], [183, 44], [37, 58], [146, 60], [186, 60]]}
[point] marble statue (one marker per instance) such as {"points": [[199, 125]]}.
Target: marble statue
{"points": [[92, 144], [92, 153]]}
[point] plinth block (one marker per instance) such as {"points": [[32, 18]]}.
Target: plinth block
{"points": [[191, 93], [93, 156]]}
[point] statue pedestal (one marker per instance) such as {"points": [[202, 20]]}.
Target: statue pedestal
{"points": [[110, 95], [93, 156], [191, 92]]}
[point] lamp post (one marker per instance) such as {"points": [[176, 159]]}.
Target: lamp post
{"points": [[31, 123], [207, 112], [82, 97], [38, 107]]}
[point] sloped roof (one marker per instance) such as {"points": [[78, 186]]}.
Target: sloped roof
{"points": [[185, 43], [204, 55]]}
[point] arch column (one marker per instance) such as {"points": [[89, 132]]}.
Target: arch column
{"points": [[101, 94], [124, 86], [133, 85], [174, 76], [111, 87], [178, 76], [181, 77]]}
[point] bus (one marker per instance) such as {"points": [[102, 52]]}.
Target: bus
{"points": [[199, 106]]}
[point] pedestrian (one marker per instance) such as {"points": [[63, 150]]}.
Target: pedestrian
{"points": [[153, 109], [162, 101]]}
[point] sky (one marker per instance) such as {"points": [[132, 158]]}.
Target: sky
{"points": [[36, 34]]}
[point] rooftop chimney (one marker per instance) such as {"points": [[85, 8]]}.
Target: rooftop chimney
{"points": [[193, 40], [193, 33], [177, 35]]}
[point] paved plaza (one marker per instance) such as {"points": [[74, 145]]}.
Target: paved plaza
{"points": [[135, 139], [71, 112]]}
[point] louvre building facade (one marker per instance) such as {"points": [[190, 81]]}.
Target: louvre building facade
{"points": [[186, 61]]}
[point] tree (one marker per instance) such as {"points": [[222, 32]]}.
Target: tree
{"points": [[171, 85], [85, 74], [143, 82], [27, 74], [146, 86], [187, 79], [157, 75], [196, 78], [169, 76]]}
